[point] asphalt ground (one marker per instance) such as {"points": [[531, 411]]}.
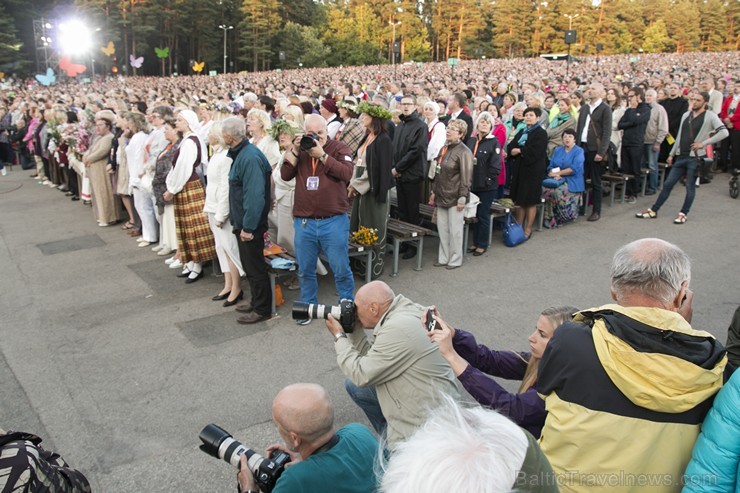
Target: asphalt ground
{"points": [[118, 364]]}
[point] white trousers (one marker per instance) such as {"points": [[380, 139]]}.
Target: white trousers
{"points": [[450, 225], [167, 230], [146, 206]]}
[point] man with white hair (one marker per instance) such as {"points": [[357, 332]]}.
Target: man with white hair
{"points": [[655, 132], [627, 385]]}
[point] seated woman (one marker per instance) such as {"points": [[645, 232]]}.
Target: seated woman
{"points": [[566, 167], [471, 362], [559, 124]]}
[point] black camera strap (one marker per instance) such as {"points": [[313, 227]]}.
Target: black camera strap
{"points": [[328, 445]]}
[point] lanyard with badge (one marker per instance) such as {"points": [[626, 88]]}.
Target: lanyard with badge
{"points": [[312, 183], [475, 152], [439, 161]]}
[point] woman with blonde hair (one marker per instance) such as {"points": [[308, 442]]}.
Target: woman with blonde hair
{"points": [[471, 362], [259, 125], [294, 113], [217, 208]]}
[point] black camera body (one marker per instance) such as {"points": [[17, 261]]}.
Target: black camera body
{"points": [[218, 443], [309, 141], [345, 312]]}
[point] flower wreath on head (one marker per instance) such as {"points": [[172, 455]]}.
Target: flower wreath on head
{"points": [[347, 106], [374, 110], [283, 127], [220, 108]]}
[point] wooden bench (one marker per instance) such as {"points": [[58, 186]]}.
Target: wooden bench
{"points": [[277, 274], [499, 211], [403, 233], [357, 250]]}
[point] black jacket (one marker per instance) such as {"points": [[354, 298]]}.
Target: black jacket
{"points": [[468, 121], [633, 124], [379, 158], [599, 131], [410, 148], [486, 164]]}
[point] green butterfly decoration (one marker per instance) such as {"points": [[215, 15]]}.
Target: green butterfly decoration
{"points": [[162, 52]]}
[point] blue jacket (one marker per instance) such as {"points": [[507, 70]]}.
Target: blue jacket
{"points": [[715, 460], [573, 160], [249, 188]]}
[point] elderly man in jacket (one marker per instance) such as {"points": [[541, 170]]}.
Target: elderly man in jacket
{"points": [[398, 376], [624, 414], [655, 133]]}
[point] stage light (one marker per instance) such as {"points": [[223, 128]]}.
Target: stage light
{"points": [[74, 37]]}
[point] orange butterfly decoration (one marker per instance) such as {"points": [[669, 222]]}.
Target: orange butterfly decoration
{"points": [[109, 50], [198, 67], [72, 69]]}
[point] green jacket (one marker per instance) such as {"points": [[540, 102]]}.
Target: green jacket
{"points": [[408, 372]]}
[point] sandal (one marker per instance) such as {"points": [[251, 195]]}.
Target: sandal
{"points": [[128, 225], [680, 219], [472, 249], [477, 252], [647, 214]]}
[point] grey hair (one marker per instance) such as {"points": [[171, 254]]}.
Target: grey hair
{"points": [[458, 449], [521, 105], [487, 117], [234, 127], [651, 92], [652, 267]]}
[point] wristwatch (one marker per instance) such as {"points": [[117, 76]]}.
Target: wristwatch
{"points": [[323, 158], [339, 336]]}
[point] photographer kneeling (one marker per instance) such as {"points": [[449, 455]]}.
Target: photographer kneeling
{"points": [[321, 457]]}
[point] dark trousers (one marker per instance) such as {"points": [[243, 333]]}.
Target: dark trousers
{"points": [[409, 196], [72, 181], [734, 140], [632, 165], [482, 229], [594, 171], [253, 262], [47, 169]]}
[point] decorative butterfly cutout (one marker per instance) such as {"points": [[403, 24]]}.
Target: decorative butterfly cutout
{"points": [[72, 69], [109, 50], [2, 75], [47, 79], [198, 67], [136, 62], [162, 52]]}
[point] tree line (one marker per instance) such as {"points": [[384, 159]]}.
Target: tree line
{"points": [[274, 34]]}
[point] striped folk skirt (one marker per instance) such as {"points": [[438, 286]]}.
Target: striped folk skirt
{"points": [[194, 236]]}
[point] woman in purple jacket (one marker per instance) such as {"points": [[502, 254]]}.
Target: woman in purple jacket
{"points": [[471, 362]]}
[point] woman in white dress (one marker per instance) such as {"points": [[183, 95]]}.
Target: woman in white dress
{"points": [[217, 208]]}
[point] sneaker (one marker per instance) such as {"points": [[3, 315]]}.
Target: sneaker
{"points": [[4, 171], [647, 214], [303, 322], [176, 265], [170, 261]]}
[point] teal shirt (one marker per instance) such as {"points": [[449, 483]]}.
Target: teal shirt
{"points": [[347, 467], [249, 187]]}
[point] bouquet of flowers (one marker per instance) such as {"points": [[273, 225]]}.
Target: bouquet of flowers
{"points": [[365, 236]]}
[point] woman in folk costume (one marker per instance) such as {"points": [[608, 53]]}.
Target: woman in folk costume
{"points": [[195, 242], [95, 161]]}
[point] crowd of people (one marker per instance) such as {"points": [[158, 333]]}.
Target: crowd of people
{"points": [[223, 168]]}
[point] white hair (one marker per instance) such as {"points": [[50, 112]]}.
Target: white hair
{"points": [[263, 118], [487, 117], [216, 131], [313, 118], [458, 449], [652, 267]]}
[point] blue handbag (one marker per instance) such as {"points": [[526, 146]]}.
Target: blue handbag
{"points": [[513, 232], [552, 182]]}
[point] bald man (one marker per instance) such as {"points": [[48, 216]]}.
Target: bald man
{"points": [[398, 376], [627, 385], [320, 456]]}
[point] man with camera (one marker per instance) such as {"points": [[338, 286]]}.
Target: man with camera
{"points": [[399, 377], [322, 459], [322, 169]]}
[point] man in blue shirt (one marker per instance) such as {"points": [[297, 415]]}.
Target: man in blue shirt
{"points": [[249, 203], [322, 459]]}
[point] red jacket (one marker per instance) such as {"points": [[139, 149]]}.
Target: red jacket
{"points": [[735, 120]]}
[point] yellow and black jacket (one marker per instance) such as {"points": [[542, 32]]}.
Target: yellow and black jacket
{"points": [[626, 390]]}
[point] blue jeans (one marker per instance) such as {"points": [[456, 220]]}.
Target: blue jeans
{"points": [[330, 236], [650, 158], [482, 229], [683, 165], [367, 400]]}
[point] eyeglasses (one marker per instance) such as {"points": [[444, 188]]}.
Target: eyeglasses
{"points": [[406, 104]]}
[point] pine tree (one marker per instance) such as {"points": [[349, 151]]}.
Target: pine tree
{"points": [[10, 45]]}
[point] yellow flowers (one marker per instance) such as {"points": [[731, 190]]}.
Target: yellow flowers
{"points": [[365, 236]]}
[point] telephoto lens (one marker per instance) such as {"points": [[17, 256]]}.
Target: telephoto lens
{"points": [[344, 312]]}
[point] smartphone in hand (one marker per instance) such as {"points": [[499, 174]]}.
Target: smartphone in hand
{"points": [[431, 322]]}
